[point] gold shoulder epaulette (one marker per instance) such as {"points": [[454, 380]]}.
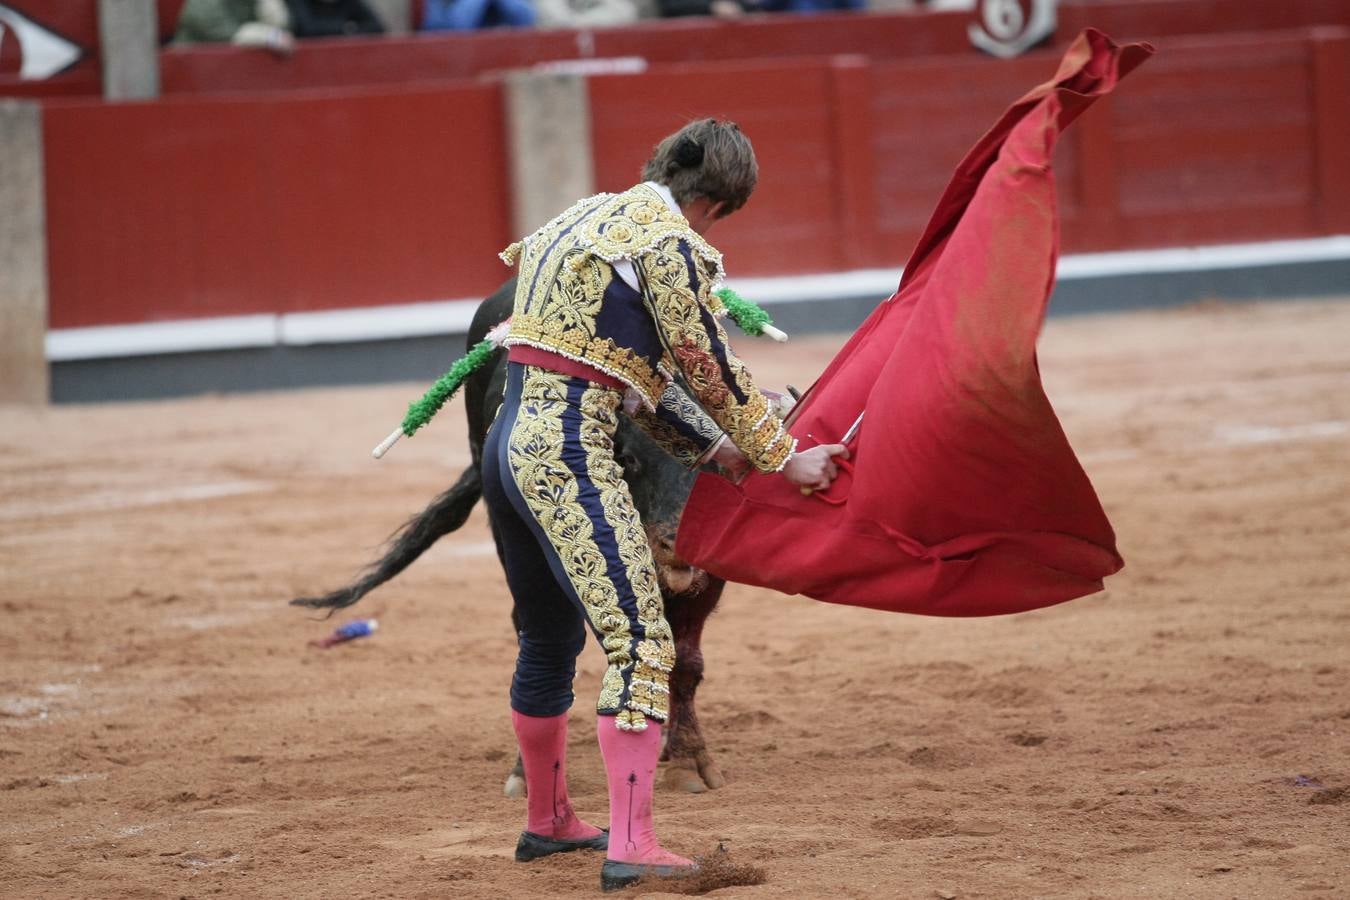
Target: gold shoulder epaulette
{"points": [[636, 223]]}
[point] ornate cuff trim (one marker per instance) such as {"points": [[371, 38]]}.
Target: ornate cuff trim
{"points": [[792, 448]]}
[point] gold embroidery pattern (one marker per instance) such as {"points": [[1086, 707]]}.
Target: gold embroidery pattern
{"points": [[648, 691], [635, 685], [564, 272], [755, 430], [639, 222], [579, 344], [701, 368]]}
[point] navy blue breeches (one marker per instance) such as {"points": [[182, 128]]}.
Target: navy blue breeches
{"points": [[574, 548]]}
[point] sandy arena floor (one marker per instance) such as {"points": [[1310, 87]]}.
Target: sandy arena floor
{"points": [[165, 732]]}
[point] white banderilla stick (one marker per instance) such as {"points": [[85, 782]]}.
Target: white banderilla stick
{"points": [[388, 442]]}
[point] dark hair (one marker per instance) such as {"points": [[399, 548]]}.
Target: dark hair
{"points": [[706, 158]]}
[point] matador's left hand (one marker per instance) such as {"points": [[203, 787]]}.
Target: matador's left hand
{"points": [[732, 460]]}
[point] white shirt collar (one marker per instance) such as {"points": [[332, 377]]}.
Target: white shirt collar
{"points": [[624, 267], [666, 195]]}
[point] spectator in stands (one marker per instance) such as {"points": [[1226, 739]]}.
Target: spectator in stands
{"points": [[468, 15], [333, 18], [585, 13], [248, 23], [810, 6], [731, 8], [722, 9]]}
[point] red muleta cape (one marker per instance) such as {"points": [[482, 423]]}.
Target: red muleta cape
{"points": [[963, 497]]}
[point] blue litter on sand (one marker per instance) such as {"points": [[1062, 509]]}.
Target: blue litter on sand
{"points": [[357, 628]]}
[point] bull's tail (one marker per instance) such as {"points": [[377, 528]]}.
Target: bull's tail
{"points": [[443, 515]]}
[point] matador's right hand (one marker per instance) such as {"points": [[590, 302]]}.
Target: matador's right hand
{"points": [[814, 468]]}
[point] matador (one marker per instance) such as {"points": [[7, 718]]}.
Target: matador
{"points": [[615, 314]]}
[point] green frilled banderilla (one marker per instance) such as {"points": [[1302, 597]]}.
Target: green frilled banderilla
{"points": [[747, 315]]}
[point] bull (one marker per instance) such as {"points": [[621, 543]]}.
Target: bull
{"points": [[660, 487]]}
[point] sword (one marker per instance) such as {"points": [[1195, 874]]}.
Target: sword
{"points": [[853, 429]]}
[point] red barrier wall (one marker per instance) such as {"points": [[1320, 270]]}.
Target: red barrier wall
{"points": [[222, 207], [328, 64], [790, 224], [880, 36], [1156, 19], [279, 202], [449, 56], [1214, 141]]}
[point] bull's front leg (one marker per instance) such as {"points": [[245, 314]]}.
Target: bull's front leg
{"points": [[689, 766]]}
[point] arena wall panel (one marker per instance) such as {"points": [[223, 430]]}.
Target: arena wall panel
{"points": [[1216, 143], [353, 62], [792, 222], [881, 36], [1158, 19], [326, 64], [275, 204], [284, 202]]}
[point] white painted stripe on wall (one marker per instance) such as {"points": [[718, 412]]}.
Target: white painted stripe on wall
{"points": [[453, 316], [1201, 259], [150, 338], [377, 323], [883, 282], [879, 283]]}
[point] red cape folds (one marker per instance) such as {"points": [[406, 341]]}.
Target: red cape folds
{"points": [[963, 497]]}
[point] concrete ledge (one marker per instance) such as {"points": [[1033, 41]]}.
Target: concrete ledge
{"points": [[23, 255]]}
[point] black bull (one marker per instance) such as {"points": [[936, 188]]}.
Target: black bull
{"points": [[660, 487]]}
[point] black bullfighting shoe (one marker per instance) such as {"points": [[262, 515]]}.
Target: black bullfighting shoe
{"points": [[615, 876], [536, 846]]}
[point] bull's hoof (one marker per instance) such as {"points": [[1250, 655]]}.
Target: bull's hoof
{"points": [[682, 775], [615, 876], [712, 775], [536, 846], [693, 774], [514, 787]]}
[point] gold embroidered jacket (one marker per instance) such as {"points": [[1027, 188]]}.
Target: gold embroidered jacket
{"points": [[570, 300]]}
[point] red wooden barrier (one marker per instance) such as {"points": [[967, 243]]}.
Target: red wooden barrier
{"points": [[334, 63], [1214, 142], [1152, 20], [267, 204], [278, 202], [792, 222], [449, 56], [1331, 120], [880, 36], [346, 62]]}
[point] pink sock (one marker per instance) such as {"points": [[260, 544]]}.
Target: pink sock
{"points": [[543, 752], [630, 764]]}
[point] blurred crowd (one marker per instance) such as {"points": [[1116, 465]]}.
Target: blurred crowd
{"points": [[276, 24]]}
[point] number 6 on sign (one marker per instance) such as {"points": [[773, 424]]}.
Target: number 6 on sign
{"points": [[1008, 28]]}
